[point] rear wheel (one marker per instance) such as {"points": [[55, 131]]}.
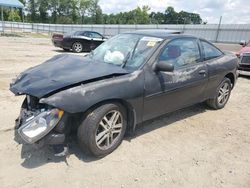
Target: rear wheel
{"points": [[222, 95], [103, 129], [77, 47]]}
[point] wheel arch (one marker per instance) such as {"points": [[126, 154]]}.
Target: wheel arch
{"points": [[131, 113], [231, 77]]}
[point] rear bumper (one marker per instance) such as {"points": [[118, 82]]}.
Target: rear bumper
{"points": [[57, 43]]}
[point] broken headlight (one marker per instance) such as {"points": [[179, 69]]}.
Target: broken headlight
{"points": [[39, 126]]}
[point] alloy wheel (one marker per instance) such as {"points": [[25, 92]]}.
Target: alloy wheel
{"points": [[223, 93], [109, 130], [77, 47]]}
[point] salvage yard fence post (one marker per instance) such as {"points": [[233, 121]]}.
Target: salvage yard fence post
{"points": [[2, 17], [218, 30]]}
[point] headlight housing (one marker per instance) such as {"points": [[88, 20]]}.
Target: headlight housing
{"points": [[40, 125]]}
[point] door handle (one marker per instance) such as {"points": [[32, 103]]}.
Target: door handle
{"points": [[203, 72]]}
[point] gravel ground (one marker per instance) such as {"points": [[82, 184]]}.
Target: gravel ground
{"points": [[193, 147]]}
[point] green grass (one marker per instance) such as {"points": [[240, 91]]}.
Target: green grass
{"points": [[32, 35]]}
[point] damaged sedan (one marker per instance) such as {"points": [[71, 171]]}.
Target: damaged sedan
{"points": [[130, 78]]}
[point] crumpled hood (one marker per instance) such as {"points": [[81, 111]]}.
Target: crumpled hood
{"points": [[60, 72]]}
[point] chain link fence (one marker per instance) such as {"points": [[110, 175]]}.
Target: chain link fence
{"points": [[226, 33]]}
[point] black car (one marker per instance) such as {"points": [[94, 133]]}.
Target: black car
{"points": [[129, 79], [244, 64], [78, 41]]}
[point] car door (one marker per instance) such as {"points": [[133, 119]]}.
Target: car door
{"points": [[213, 57], [169, 91], [96, 39], [83, 37]]}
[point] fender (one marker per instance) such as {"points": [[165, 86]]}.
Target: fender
{"points": [[128, 87]]}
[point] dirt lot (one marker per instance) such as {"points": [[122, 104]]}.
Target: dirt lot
{"points": [[194, 147]]}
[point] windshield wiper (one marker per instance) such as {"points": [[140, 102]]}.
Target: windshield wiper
{"points": [[128, 55], [125, 60]]}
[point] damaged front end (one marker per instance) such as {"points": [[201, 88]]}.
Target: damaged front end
{"points": [[40, 123]]}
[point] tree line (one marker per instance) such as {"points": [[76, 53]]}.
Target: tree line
{"points": [[90, 12]]}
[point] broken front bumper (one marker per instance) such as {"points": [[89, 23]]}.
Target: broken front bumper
{"points": [[34, 127]]}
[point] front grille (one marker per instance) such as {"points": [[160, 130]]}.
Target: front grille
{"points": [[32, 102], [245, 59], [244, 67]]}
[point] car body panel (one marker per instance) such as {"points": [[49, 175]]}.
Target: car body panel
{"points": [[59, 72], [218, 68], [169, 91], [127, 87], [244, 50]]}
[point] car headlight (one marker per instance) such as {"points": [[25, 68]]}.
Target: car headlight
{"points": [[40, 125]]}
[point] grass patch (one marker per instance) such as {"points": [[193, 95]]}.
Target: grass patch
{"points": [[10, 35], [32, 35]]}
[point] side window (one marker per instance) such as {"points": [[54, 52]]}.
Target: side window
{"points": [[79, 33], [87, 34], [210, 51], [96, 35], [82, 33], [181, 52]]}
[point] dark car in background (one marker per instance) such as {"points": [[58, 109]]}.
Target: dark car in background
{"points": [[131, 78], [78, 41], [244, 64]]}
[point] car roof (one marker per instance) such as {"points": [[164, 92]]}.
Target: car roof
{"points": [[83, 31], [160, 33]]}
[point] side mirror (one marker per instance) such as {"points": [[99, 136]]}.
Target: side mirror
{"points": [[164, 66], [243, 43]]}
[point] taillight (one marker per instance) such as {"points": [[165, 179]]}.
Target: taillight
{"points": [[57, 37]]}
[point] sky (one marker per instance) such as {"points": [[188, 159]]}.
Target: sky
{"points": [[232, 11]]}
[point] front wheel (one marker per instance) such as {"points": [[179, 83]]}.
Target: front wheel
{"points": [[103, 129], [222, 95]]}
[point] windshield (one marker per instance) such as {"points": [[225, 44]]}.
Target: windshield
{"points": [[126, 50]]}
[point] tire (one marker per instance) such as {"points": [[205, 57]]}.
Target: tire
{"points": [[77, 47], [219, 102], [94, 134]]}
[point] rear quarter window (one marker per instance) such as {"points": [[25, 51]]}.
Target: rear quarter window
{"points": [[210, 51]]}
